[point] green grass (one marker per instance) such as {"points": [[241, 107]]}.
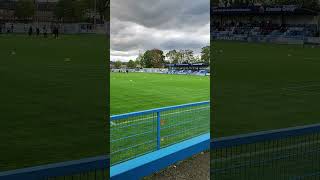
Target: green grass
{"points": [[142, 91], [287, 158], [264, 86], [53, 99]]}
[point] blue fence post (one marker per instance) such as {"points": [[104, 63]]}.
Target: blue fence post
{"points": [[158, 130]]}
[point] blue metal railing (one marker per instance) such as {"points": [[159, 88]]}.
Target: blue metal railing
{"points": [[291, 153], [138, 133], [127, 115], [96, 168], [147, 164]]}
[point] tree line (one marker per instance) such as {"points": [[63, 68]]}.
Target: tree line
{"points": [[156, 58], [65, 10]]}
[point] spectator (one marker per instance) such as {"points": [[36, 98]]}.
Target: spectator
{"points": [[44, 30], [56, 31], [30, 31], [38, 31]]}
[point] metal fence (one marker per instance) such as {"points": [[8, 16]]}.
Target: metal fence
{"points": [[138, 133], [96, 168], [292, 153]]}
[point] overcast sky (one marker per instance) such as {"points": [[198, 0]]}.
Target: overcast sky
{"points": [[163, 24]]}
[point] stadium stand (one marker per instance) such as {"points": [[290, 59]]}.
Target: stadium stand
{"points": [[199, 69], [288, 23]]}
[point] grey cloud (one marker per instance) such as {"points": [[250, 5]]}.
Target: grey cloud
{"points": [[164, 24], [176, 43], [164, 14]]}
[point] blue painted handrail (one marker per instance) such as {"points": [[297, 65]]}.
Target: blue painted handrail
{"points": [[263, 136], [139, 113], [58, 169]]}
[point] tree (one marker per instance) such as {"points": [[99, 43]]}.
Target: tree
{"points": [[147, 59], [214, 2], [197, 59], [80, 8], [25, 9], [180, 56], [64, 9], [173, 56], [71, 10], [311, 4], [140, 61], [137, 63], [117, 64], [188, 56], [185, 56], [131, 64], [205, 54], [153, 58], [103, 9], [107, 10]]}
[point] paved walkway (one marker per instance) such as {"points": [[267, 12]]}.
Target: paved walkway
{"points": [[194, 168]]}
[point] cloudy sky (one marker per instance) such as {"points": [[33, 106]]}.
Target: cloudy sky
{"points": [[137, 26]]}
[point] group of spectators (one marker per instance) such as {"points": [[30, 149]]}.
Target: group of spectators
{"points": [[265, 28], [54, 30], [32, 30], [3, 29]]}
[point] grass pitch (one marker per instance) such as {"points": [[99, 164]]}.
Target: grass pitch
{"points": [[264, 86], [142, 91], [53, 99]]}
